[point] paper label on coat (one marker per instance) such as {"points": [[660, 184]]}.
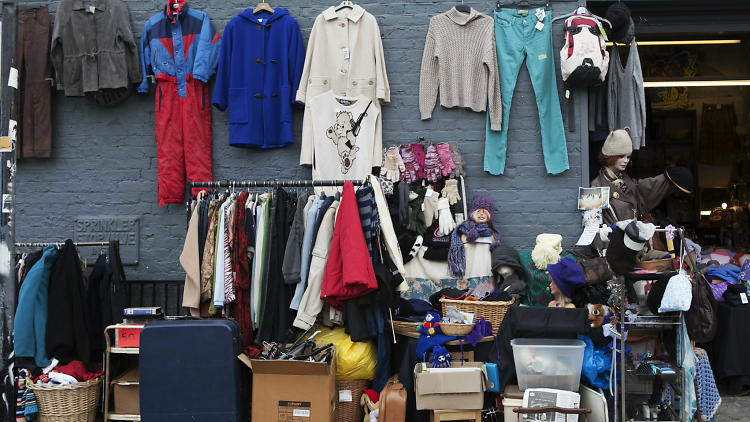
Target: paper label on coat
{"points": [[429, 193], [539, 26], [92, 9], [542, 56], [346, 53], [345, 395], [13, 78], [540, 14], [743, 297]]}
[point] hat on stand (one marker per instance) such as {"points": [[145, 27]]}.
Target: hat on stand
{"points": [[623, 27], [618, 143], [682, 180], [547, 250], [567, 275]]}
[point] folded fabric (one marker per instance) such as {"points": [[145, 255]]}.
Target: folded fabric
{"points": [[718, 290], [727, 272], [452, 316], [77, 370], [482, 291]]}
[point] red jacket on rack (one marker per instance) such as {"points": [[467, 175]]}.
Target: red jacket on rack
{"points": [[348, 272]]}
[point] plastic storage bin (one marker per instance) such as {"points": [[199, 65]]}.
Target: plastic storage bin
{"points": [[548, 363]]}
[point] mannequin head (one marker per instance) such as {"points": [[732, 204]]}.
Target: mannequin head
{"points": [[505, 271], [616, 163], [616, 151], [481, 215]]}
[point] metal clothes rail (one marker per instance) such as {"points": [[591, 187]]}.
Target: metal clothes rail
{"points": [[43, 244], [270, 183]]}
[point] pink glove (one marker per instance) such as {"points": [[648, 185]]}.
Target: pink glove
{"points": [[409, 174], [445, 158], [432, 164], [458, 160], [419, 154]]}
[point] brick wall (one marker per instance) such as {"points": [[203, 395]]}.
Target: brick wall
{"points": [[104, 159]]}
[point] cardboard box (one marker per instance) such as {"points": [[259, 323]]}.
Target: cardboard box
{"points": [[285, 390], [450, 390], [125, 392]]}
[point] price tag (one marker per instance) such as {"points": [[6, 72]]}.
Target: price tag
{"points": [[567, 93], [129, 337], [429, 193], [345, 395], [346, 53], [92, 9], [539, 26], [743, 297]]}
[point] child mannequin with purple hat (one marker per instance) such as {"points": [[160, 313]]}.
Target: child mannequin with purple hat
{"points": [[478, 226]]}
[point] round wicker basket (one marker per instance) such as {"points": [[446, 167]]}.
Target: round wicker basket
{"points": [[67, 403], [456, 329]]}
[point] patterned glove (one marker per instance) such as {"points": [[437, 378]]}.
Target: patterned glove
{"points": [[445, 157], [419, 154], [445, 219], [432, 164], [458, 161], [450, 191], [431, 207], [409, 174], [393, 166]]}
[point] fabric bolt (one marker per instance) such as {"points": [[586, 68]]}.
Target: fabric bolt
{"points": [[93, 49], [334, 139], [517, 38], [68, 338], [191, 264], [207, 264], [31, 313], [719, 143], [308, 243], [260, 66], [311, 303], [35, 134], [183, 137], [460, 61], [625, 95], [229, 292], [221, 256], [353, 65], [100, 308], [293, 254]]}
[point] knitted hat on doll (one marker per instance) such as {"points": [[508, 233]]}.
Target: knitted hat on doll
{"points": [[547, 250], [473, 231]]}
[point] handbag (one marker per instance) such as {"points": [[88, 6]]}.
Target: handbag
{"points": [[595, 269], [701, 320], [678, 295], [646, 217], [393, 401]]}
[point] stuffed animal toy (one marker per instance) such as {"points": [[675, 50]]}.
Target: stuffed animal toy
{"points": [[431, 325], [371, 402], [441, 358], [597, 314]]}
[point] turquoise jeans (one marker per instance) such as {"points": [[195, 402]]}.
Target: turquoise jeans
{"points": [[517, 38]]}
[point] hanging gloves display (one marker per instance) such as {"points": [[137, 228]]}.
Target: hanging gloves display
{"points": [[430, 206], [445, 219], [432, 165], [458, 161], [450, 191], [445, 158], [393, 165], [418, 150], [411, 167]]}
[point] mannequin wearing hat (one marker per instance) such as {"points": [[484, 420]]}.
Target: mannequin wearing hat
{"points": [[564, 278], [478, 228], [623, 203]]}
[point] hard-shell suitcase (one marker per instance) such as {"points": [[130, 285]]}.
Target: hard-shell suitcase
{"points": [[189, 371]]}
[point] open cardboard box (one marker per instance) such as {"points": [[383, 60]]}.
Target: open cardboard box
{"points": [[125, 392], [450, 390], [287, 390]]}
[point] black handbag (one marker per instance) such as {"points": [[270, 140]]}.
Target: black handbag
{"points": [[701, 319]]}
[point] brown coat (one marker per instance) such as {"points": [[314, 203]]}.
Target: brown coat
{"points": [[209, 252], [624, 205]]}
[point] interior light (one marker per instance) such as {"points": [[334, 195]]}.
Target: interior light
{"points": [[705, 212], [685, 42], [651, 83], [724, 205]]}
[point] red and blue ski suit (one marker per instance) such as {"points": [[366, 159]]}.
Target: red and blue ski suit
{"points": [[181, 48]]}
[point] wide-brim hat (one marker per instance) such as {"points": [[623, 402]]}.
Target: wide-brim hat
{"points": [[682, 180], [567, 275]]}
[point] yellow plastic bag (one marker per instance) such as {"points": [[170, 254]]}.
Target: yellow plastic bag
{"points": [[354, 361]]}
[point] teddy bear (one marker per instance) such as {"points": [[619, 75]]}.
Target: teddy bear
{"points": [[341, 135], [431, 325], [597, 314]]}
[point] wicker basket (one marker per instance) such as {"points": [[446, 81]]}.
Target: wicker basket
{"points": [[406, 326], [658, 265], [492, 312], [67, 403], [460, 330], [350, 411]]}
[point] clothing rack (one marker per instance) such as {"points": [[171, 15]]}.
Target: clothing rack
{"points": [[270, 183], [43, 244]]}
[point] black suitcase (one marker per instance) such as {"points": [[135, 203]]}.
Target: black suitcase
{"points": [[189, 371]]}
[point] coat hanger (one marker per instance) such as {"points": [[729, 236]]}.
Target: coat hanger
{"points": [[522, 3], [344, 4], [582, 11], [263, 7], [463, 8]]}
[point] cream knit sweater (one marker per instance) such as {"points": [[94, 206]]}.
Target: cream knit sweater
{"points": [[460, 58]]}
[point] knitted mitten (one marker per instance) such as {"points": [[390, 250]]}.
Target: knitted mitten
{"points": [[431, 207], [410, 165], [450, 191], [445, 157], [419, 154], [432, 164], [458, 160], [393, 166]]}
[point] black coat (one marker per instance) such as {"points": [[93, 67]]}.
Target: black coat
{"points": [[67, 334]]}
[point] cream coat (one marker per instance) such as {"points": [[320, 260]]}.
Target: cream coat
{"points": [[326, 69]]}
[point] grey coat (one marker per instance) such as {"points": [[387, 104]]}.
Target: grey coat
{"points": [[93, 51], [624, 205]]}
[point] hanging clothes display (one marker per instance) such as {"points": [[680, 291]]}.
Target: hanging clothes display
{"points": [[181, 48], [344, 55], [93, 47], [260, 66], [528, 36], [460, 60], [100, 308], [626, 98], [34, 67]]}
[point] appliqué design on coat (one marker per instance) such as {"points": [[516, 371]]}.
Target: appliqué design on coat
{"points": [[341, 134]]}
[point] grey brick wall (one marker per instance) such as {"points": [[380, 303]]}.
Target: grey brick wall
{"points": [[104, 159]]}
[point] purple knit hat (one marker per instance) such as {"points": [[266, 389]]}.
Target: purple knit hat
{"points": [[483, 202]]}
